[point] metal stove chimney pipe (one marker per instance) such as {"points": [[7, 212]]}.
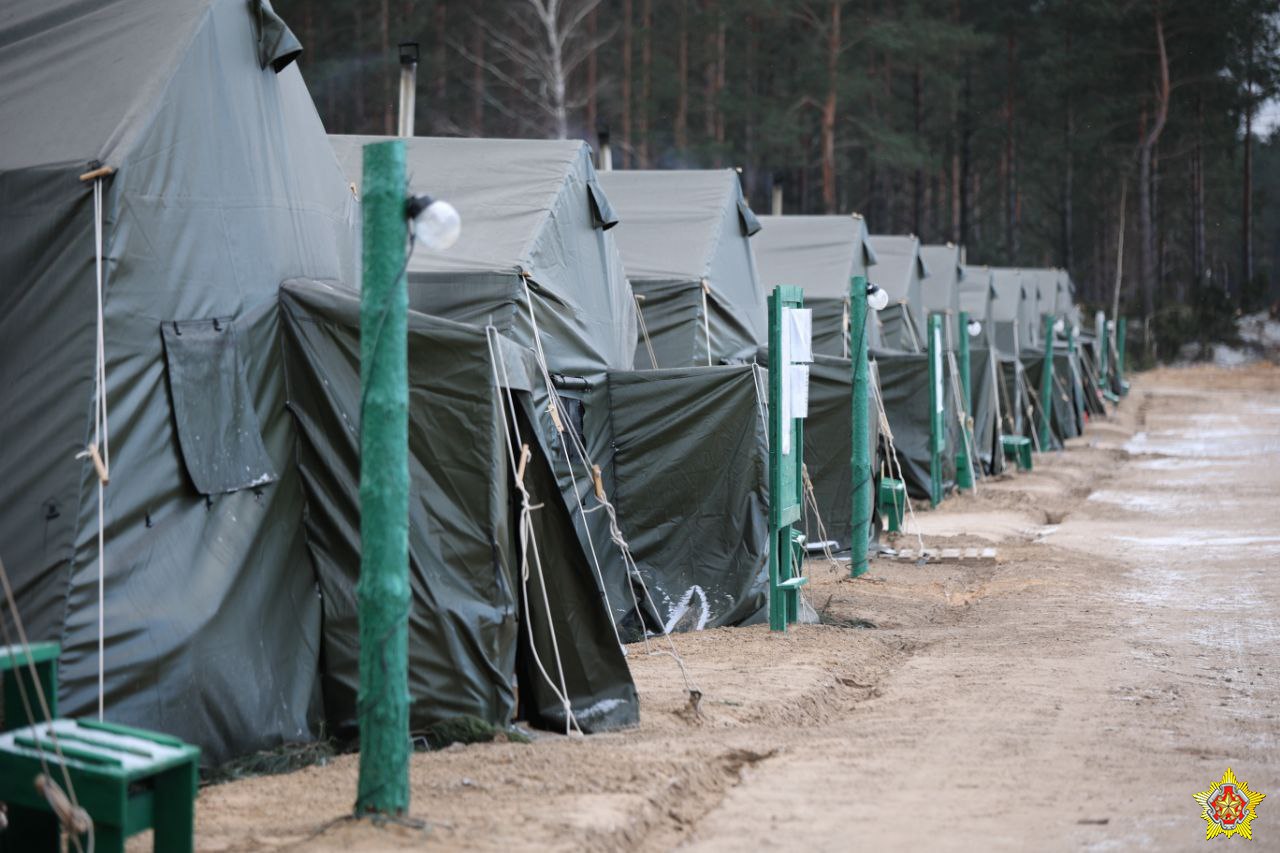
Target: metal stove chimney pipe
{"points": [[408, 86], [775, 207], [606, 153]]}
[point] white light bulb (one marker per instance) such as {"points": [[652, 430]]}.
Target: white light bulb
{"points": [[1059, 326], [975, 328], [877, 298], [438, 226]]}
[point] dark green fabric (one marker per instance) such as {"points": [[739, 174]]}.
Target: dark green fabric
{"points": [[463, 544], [691, 489], [217, 426], [827, 445], [904, 385]]}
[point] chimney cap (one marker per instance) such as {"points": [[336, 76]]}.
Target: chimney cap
{"points": [[408, 53]]}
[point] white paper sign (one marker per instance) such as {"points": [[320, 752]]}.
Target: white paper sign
{"points": [[797, 329], [799, 396]]}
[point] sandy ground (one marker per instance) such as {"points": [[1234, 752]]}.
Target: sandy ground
{"points": [[1119, 655]]}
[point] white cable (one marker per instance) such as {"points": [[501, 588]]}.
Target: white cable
{"points": [[528, 537], [706, 322], [100, 435], [644, 331], [894, 461], [615, 532]]}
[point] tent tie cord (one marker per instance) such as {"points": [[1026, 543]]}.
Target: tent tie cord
{"points": [[101, 434], [527, 535], [615, 532], [965, 419], [894, 461], [644, 329]]}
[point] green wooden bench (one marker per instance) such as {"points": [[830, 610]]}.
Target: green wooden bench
{"points": [[893, 502], [126, 779], [1017, 448]]}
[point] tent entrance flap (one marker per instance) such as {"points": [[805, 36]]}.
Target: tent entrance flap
{"points": [[217, 426]]}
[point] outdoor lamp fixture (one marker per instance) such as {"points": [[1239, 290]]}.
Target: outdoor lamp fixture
{"points": [[974, 328], [877, 297], [435, 223], [1060, 326]]}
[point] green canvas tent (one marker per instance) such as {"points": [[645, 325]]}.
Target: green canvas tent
{"points": [[940, 292], [900, 270], [542, 252], [684, 236], [819, 254], [977, 297], [211, 621], [228, 311]]}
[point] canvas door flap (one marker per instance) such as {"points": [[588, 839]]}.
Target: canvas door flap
{"points": [[213, 413]]}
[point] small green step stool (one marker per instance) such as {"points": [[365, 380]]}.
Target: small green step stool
{"points": [[893, 502], [791, 586], [126, 779], [1018, 448]]}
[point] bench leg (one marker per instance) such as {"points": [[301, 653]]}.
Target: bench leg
{"points": [[174, 809], [32, 830]]}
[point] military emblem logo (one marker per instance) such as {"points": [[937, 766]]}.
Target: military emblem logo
{"points": [[1228, 807]]}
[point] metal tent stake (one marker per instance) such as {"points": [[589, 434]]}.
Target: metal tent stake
{"points": [[860, 467], [383, 589]]}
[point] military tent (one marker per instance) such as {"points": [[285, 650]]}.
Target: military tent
{"points": [[900, 271], [820, 254], [684, 241]]}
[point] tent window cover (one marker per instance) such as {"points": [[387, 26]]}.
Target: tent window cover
{"points": [[602, 213], [213, 413]]}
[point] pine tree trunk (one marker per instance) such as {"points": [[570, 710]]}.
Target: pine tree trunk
{"points": [[1148, 269], [626, 83], [917, 177], [477, 82], [388, 102], [442, 56], [1065, 256], [1246, 201], [1198, 265], [829, 111], [646, 79], [721, 75], [682, 83], [1010, 157], [964, 233], [593, 71]]}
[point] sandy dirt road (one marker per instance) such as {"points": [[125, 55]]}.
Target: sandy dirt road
{"points": [[1122, 652]]}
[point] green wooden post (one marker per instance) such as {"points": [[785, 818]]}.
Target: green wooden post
{"points": [[785, 477], [1122, 327], [860, 469], [964, 465], [1100, 332], [1046, 385], [383, 590], [937, 410]]}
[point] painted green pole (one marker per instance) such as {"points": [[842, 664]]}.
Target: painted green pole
{"points": [[964, 465], [383, 590], [1122, 327], [1046, 385], [861, 435], [1100, 332], [937, 441]]}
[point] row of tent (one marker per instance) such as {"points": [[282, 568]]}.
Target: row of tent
{"points": [[180, 390]]}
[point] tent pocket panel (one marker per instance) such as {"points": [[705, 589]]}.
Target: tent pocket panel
{"points": [[217, 425]]}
